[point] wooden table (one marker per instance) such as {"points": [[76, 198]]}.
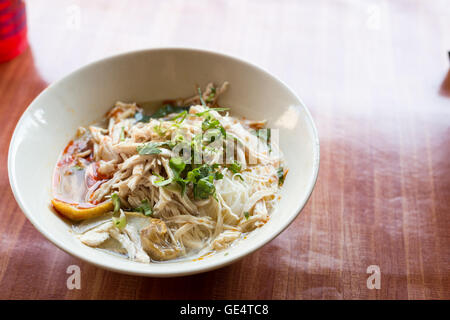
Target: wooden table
{"points": [[376, 78]]}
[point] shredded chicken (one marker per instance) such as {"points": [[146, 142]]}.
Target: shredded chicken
{"points": [[128, 238], [157, 242]]}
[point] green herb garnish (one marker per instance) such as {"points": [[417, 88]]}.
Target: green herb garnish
{"points": [[208, 109], [161, 182], [212, 95], [235, 167], [180, 117], [140, 117], [246, 215], [116, 201], [145, 208], [120, 222], [204, 188], [201, 114], [201, 97], [159, 130], [280, 175], [168, 109], [212, 123], [177, 164], [122, 134], [150, 148], [160, 113], [202, 179]]}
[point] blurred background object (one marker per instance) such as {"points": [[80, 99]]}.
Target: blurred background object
{"points": [[13, 29]]}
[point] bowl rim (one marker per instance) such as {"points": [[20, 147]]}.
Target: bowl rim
{"points": [[214, 264]]}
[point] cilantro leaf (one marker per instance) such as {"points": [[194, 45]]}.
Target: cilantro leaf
{"points": [[204, 188], [202, 179]]}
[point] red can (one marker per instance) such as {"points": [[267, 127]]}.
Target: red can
{"points": [[13, 29]]}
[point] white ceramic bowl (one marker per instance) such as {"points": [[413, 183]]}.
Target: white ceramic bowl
{"points": [[85, 95]]}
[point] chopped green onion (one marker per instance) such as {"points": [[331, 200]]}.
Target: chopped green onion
{"points": [[161, 182], [180, 117], [145, 208], [280, 175], [246, 215], [235, 167], [116, 201], [120, 222], [150, 148], [212, 95], [159, 130], [122, 134], [212, 123], [201, 97], [201, 114], [177, 164]]}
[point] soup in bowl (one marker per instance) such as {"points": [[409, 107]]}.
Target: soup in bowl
{"points": [[164, 162]]}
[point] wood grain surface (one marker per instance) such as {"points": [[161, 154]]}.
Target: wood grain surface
{"points": [[375, 75]]}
